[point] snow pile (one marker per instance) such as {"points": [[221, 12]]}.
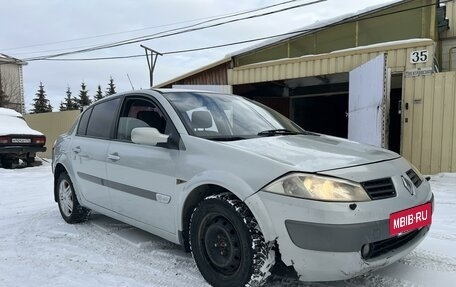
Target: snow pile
{"points": [[37, 248], [9, 112]]}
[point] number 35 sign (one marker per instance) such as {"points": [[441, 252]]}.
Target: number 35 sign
{"points": [[419, 56]]}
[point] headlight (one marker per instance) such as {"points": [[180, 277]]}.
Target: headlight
{"points": [[318, 188]]}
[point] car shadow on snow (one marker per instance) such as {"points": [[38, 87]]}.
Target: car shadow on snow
{"points": [[147, 241], [23, 164]]}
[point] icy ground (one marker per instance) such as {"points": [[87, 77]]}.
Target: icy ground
{"points": [[37, 248]]}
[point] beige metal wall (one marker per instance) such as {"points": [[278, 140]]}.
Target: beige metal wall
{"points": [[331, 63], [429, 127], [51, 125]]}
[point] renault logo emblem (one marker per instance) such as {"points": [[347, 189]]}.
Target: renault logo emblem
{"points": [[408, 185]]}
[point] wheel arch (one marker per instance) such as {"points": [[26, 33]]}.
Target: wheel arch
{"points": [[58, 170], [200, 192]]}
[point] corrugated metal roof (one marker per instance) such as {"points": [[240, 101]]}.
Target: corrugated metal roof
{"points": [[319, 25]]}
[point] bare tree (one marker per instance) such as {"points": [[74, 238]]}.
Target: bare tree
{"points": [[10, 91], [4, 101]]}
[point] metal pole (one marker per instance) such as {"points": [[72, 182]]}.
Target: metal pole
{"points": [[151, 62]]}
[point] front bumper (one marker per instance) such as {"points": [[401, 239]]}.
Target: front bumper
{"points": [[323, 240]]}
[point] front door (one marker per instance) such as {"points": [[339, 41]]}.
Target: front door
{"points": [[142, 178]]}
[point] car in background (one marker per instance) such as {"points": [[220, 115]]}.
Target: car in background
{"points": [[240, 186], [18, 140]]}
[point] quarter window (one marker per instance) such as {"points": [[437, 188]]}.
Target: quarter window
{"points": [[83, 123]]}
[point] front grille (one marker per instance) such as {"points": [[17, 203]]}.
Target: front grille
{"points": [[380, 188], [384, 246], [414, 177]]}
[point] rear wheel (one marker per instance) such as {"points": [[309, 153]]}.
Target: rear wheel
{"points": [[227, 243], [70, 209]]}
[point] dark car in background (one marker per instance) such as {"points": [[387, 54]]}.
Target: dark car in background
{"points": [[17, 140]]}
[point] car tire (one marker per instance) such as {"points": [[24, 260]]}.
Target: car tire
{"points": [[70, 209], [7, 163], [30, 161], [227, 243]]}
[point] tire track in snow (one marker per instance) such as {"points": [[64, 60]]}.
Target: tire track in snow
{"points": [[428, 260]]}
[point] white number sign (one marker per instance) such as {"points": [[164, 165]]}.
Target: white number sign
{"points": [[419, 56]]}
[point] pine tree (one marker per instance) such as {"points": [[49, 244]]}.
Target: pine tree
{"points": [[70, 102], [99, 94], [84, 99], [41, 103], [111, 90], [62, 107]]}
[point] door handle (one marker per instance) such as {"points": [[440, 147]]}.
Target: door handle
{"points": [[114, 156], [77, 149]]}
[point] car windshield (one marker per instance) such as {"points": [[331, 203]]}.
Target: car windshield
{"points": [[228, 117]]}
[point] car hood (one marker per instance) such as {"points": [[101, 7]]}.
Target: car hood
{"points": [[313, 153]]}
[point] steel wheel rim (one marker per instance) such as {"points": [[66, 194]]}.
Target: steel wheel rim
{"points": [[66, 198], [219, 236]]}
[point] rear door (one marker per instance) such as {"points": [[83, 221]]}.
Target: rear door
{"points": [[89, 151], [142, 178], [368, 94]]}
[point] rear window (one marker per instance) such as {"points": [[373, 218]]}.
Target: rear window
{"points": [[102, 119]]}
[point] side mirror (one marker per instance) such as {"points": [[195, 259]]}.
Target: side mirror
{"points": [[148, 136]]}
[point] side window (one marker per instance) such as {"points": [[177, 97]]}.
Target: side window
{"points": [[83, 122], [102, 119], [140, 113]]}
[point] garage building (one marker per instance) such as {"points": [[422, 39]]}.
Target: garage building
{"points": [[383, 76]]}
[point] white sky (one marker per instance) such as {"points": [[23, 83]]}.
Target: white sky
{"points": [[30, 22]]}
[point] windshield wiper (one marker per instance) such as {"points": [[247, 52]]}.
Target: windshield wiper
{"points": [[277, 132], [284, 132], [225, 138]]}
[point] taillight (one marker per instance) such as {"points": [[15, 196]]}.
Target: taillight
{"points": [[5, 140], [39, 140]]}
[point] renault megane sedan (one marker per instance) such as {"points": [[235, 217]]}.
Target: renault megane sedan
{"points": [[240, 186]]}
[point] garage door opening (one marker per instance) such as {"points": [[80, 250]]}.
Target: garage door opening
{"points": [[322, 114], [321, 104], [395, 114]]}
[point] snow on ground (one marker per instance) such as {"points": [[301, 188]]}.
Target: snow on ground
{"points": [[37, 248]]}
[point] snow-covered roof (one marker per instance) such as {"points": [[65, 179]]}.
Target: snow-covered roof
{"points": [[299, 32], [9, 112], [12, 123], [7, 59], [318, 25]]}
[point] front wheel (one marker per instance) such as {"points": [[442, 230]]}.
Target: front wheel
{"points": [[70, 209], [227, 243]]}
